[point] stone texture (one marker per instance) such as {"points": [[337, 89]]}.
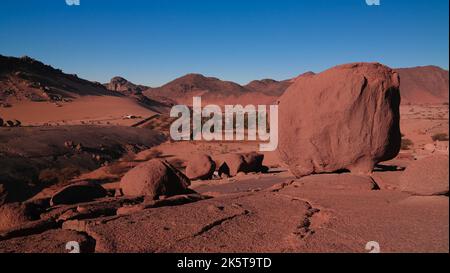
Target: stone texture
{"points": [[230, 164], [200, 167], [254, 162], [428, 176], [154, 178], [344, 118]]}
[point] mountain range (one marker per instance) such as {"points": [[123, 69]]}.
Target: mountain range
{"points": [[26, 79]]}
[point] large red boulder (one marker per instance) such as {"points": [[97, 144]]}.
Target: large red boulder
{"points": [[344, 118]]}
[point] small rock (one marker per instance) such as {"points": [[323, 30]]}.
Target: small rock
{"points": [[230, 164], [200, 167], [154, 179], [254, 162]]}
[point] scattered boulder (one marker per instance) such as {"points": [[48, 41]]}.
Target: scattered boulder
{"points": [[16, 214], [254, 162], [344, 118], [154, 178], [200, 167], [427, 176], [1, 122], [230, 164], [78, 193], [14, 123]]}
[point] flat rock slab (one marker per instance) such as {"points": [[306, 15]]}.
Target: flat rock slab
{"points": [[387, 180], [263, 222], [338, 182], [52, 241], [245, 183], [347, 221], [322, 213]]}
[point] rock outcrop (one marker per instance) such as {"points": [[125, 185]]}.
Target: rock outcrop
{"points": [[344, 118]]}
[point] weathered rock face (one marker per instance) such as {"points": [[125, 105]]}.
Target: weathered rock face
{"points": [[344, 118], [78, 193], [428, 176], [154, 178], [200, 167]]}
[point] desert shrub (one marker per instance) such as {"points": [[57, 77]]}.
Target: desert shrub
{"points": [[406, 144], [440, 137]]}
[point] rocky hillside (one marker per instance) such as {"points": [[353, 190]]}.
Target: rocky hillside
{"points": [[26, 79], [425, 84]]}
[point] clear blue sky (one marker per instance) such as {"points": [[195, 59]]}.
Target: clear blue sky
{"points": [[154, 41]]}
